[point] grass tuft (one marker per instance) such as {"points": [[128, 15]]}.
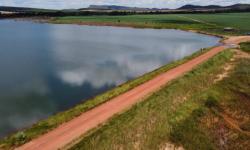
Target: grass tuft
{"points": [[245, 46], [211, 102]]}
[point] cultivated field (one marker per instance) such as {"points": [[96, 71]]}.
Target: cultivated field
{"points": [[211, 23]]}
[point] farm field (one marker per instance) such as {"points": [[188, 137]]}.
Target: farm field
{"points": [[211, 23], [239, 21]]}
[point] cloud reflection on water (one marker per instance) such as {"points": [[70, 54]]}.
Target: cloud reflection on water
{"points": [[112, 56], [53, 67]]}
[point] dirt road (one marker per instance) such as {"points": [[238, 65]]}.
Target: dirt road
{"points": [[236, 39], [73, 129]]}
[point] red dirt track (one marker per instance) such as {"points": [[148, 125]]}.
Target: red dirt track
{"points": [[67, 132]]}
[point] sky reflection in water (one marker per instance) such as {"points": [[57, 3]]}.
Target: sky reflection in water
{"points": [[48, 68]]}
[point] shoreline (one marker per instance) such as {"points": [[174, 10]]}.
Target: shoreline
{"points": [[102, 113], [136, 26], [105, 97], [169, 66], [50, 20]]}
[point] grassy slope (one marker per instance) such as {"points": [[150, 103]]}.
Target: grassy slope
{"points": [[240, 21], [212, 23], [245, 46], [231, 97], [172, 114], [53, 121]]}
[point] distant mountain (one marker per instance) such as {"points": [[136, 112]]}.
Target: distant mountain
{"points": [[108, 7], [200, 7], [240, 6], [216, 7], [115, 7], [185, 7]]}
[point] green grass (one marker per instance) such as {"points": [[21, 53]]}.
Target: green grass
{"points": [[172, 114], [211, 23], [54, 121], [245, 46], [239, 21], [230, 95], [183, 113]]}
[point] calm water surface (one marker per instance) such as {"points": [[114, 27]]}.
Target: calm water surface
{"points": [[47, 68]]}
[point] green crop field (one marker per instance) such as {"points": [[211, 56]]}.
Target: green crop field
{"points": [[211, 23], [240, 21]]}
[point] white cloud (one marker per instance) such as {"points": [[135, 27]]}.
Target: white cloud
{"points": [[60, 4]]}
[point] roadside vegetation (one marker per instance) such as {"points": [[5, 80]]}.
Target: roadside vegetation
{"points": [[196, 111], [209, 23], [164, 116], [245, 46], [56, 120]]}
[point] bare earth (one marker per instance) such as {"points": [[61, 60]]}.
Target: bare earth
{"points": [[75, 128]]}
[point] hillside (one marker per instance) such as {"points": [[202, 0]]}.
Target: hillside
{"points": [[185, 7], [200, 7], [115, 7], [216, 7]]}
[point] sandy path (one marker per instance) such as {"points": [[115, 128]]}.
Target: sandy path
{"points": [[236, 39], [73, 129]]}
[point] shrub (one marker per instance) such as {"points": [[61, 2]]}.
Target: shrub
{"points": [[211, 102], [198, 113], [19, 138], [245, 46]]}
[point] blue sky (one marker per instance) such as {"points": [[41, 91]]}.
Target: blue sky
{"points": [[61, 4]]}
